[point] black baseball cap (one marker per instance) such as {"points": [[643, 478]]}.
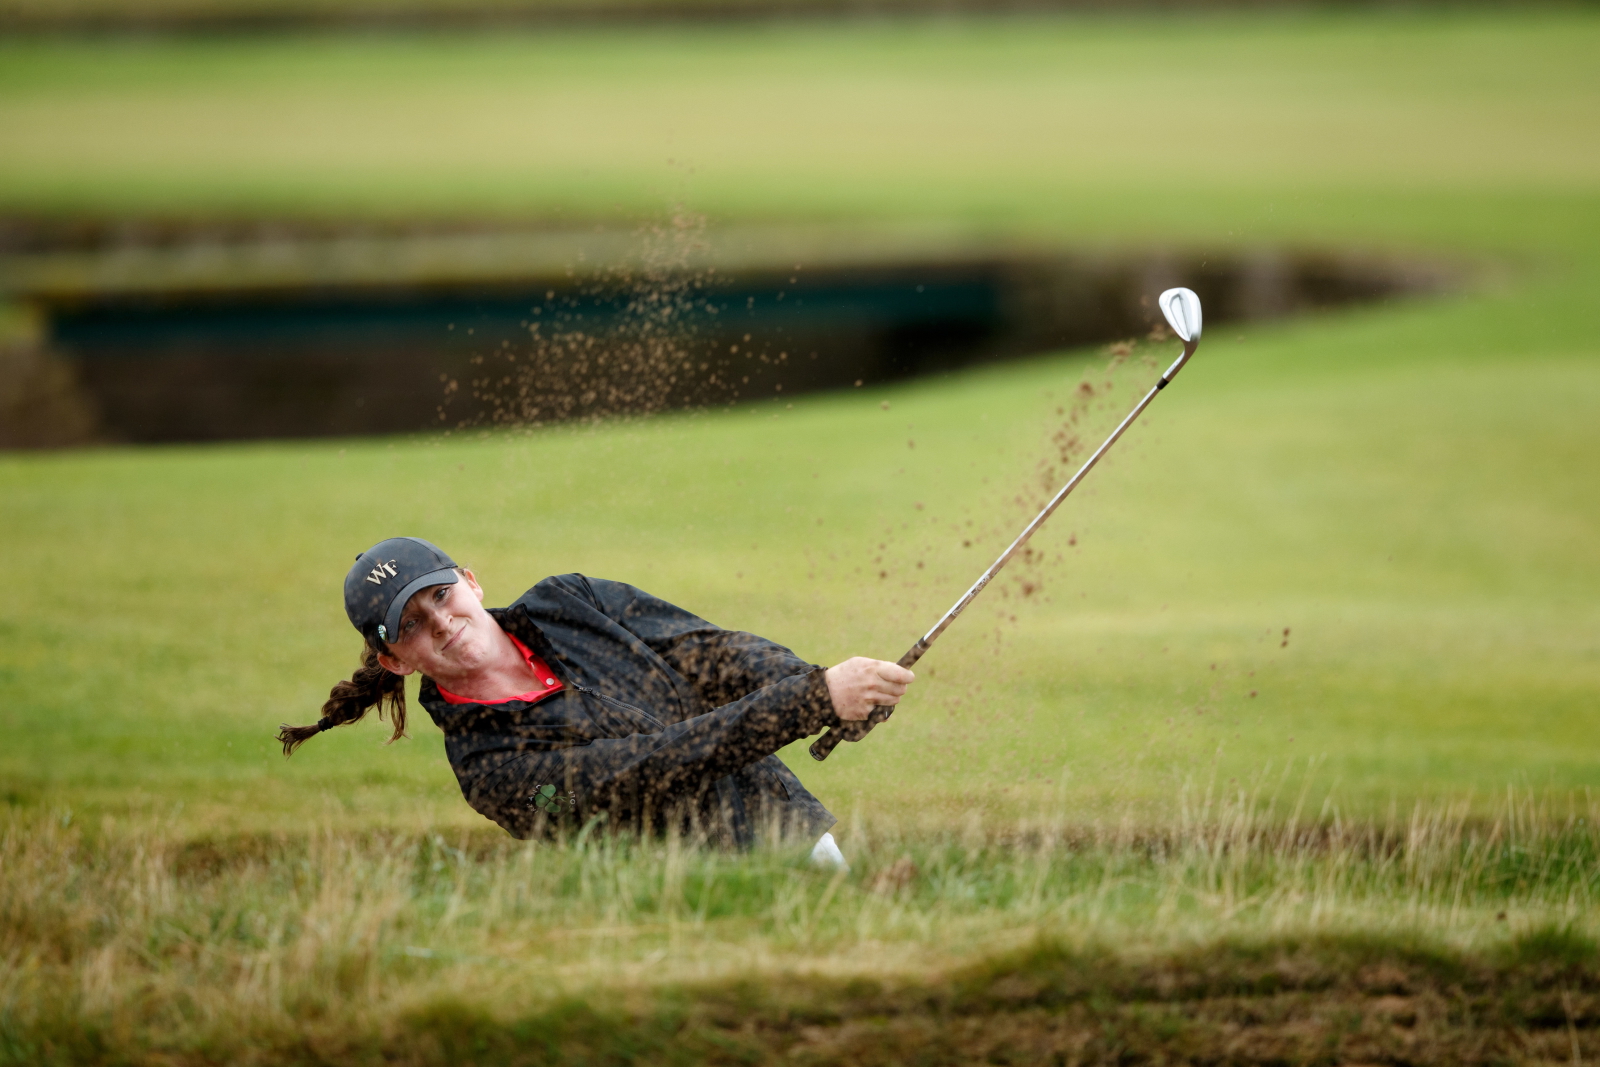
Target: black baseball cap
{"points": [[383, 579]]}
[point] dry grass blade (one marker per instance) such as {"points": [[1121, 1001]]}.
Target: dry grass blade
{"points": [[134, 940]]}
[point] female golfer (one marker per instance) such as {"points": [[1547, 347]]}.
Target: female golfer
{"points": [[588, 699]]}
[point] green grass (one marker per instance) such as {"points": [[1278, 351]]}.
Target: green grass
{"points": [[214, 15], [1424, 528], [1266, 124], [1407, 488], [1437, 938], [98, 15]]}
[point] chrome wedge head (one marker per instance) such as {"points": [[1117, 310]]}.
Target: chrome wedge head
{"points": [[1182, 309]]}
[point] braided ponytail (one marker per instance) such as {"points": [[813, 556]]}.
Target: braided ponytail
{"points": [[348, 702]]}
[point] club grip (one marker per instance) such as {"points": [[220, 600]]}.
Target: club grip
{"points": [[848, 731], [856, 730]]}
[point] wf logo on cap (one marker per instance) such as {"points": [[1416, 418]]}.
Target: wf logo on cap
{"points": [[382, 572]]}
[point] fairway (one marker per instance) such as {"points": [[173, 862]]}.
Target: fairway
{"points": [[1344, 576], [1265, 123], [1423, 527]]}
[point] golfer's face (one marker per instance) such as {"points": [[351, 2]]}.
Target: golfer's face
{"points": [[444, 629]]}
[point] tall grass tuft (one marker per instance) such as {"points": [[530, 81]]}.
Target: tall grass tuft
{"points": [[121, 937]]}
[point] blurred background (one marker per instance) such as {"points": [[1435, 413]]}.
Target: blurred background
{"points": [[792, 311]]}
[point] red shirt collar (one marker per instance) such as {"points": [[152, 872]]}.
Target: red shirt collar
{"points": [[551, 684]]}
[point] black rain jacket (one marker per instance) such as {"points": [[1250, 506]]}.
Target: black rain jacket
{"points": [[665, 721]]}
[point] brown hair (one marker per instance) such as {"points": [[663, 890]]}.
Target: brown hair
{"points": [[370, 685]]}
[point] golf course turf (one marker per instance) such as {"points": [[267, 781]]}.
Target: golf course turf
{"points": [[1306, 671]]}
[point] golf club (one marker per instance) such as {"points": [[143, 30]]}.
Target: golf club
{"points": [[1182, 310]]}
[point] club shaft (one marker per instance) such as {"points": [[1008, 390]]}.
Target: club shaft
{"points": [[855, 730], [1038, 520]]}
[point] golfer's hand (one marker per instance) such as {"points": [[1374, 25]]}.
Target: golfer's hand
{"points": [[859, 684]]}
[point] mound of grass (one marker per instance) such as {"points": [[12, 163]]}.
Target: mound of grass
{"points": [[1441, 940], [1275, 1000]]}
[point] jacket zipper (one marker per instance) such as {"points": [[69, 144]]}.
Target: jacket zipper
{"points": [[620, 703], [592, 692]]}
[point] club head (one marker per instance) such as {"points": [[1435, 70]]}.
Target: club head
{"points": [[1182, 309]]}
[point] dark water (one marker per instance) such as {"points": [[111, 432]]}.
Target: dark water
{"points": [[193, 364]]}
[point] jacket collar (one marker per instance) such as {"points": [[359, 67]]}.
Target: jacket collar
{"points": [[514, 620]]}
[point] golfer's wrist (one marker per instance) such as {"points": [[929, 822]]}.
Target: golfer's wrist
{"points": [[820, 711]]}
